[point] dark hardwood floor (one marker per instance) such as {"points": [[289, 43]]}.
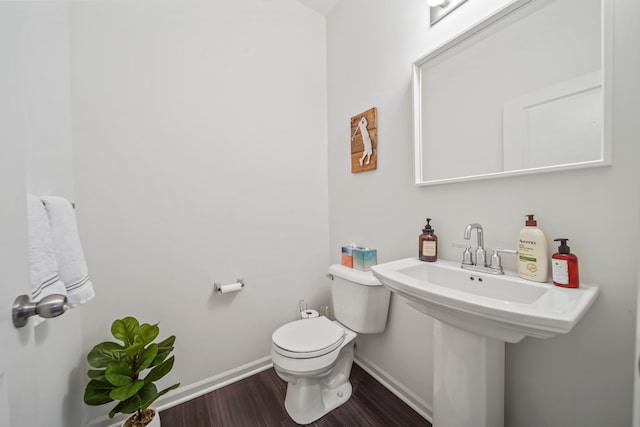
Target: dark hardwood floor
{"points": [[258, 401]]}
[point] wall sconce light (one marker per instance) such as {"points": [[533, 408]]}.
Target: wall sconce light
{"points": [[437, 3], [441, 8]]}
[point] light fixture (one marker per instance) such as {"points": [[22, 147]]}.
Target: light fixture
{"points": [[437, 3], [441, 8]]}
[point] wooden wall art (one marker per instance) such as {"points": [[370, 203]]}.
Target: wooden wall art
{"points": [[364, 141]]}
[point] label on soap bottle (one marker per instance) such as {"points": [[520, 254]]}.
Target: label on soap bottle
{"points": [[560, 271], [428, 248]]}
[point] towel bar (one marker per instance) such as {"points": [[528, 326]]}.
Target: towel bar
{"points": [[73, 204]]}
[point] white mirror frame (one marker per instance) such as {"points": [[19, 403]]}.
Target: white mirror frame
{"points": [[606, 54]]}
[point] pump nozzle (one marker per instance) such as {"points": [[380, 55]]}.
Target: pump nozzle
{"points": [[427, 228], [563, 248], [530, 222]]}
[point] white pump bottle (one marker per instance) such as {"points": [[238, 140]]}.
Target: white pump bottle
{"points": [[533, 259]]}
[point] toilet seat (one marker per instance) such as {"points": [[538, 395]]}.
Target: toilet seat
{"points": [[308, 338]]}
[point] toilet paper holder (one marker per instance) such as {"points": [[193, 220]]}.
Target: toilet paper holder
{"points": [[218, 287]]}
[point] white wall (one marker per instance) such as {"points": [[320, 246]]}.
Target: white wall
{"points": [[584, 378], [36, 63], [200, 148]]}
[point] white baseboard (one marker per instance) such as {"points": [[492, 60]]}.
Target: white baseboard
{"points": [[403, 393], [197, 389]]}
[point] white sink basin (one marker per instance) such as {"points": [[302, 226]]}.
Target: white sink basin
{"points": [[506, 308]]}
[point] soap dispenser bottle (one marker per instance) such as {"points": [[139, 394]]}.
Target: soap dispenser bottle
{"points": [[533, 260], [564, 266], [428, 244]]}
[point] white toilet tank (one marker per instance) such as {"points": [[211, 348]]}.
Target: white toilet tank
{"points": [[360, 301]]}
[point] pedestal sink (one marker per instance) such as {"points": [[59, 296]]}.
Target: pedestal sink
{"points": [[475, 314]]}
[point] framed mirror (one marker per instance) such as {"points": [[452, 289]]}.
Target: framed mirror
{"points": [[524, 91]]}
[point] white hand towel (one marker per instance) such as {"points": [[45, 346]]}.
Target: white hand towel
{"points": [[44, 267], [72, 266]]}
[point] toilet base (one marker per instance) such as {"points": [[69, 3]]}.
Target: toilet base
{"points": [[306, 401], [316, 386]]}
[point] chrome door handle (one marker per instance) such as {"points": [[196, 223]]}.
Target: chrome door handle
{"points": [[50, 306]]}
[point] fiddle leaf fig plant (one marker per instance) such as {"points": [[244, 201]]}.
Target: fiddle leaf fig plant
{"points": [[126, 372]]}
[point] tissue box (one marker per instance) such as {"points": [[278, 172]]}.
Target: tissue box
{"points": [[364, 258], [347, 256]]}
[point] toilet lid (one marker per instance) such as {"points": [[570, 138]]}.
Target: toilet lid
{"points": [[309, 337]]}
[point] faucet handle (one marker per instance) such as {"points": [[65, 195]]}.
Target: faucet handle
{"points": [[467, 255], [496, 261]]}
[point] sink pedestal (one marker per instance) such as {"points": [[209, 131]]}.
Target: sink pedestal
{"points": [[468, 379], [475, 314]]}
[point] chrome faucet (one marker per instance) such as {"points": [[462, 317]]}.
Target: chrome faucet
{"points": [[481, 254], [480, 262]]}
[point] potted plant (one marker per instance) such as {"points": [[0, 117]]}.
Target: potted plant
{"points": [[120, 369]]}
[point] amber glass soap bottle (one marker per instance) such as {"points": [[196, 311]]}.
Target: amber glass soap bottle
{"points": [[428, 244]]}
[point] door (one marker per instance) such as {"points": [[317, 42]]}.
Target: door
{"points": [[17, 383], [18, 399], [636, 366]]}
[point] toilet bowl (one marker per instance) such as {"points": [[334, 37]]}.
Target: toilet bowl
{"points": [[314, 356]]}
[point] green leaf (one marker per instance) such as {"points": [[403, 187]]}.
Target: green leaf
{"points": [[97, 393], [118, 409], [165, 391], [143, 399], [146, 358], [126, 391], [115, 410], [96, 374], [119, 374], [168, 342], [125, 330], [150, 397], [147, 333], [160, 371], [148, 392], [133, 350], [164, 348], [104, 353]]}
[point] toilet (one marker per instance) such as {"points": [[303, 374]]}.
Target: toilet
{"points": [[314, 356]]}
